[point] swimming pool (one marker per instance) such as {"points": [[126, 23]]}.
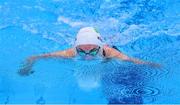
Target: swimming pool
{"points": [[146, 29]]}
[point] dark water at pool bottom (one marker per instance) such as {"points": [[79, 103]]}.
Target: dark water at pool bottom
{"points": [[129, 84]]}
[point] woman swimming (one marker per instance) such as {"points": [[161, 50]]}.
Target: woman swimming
{"points": [[88, 45]]}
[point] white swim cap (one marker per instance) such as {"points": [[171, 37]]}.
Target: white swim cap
{"points": [[88, 35]]}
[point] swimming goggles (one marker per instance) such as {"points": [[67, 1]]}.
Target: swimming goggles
{"points": [[92, 52]]}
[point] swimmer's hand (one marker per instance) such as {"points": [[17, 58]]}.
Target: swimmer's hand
{"points": [[26, 68]]}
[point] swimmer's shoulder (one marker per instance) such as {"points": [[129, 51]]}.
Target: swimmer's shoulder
{"points": [[108, 51]]}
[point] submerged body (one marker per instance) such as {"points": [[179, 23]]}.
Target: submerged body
{"points": [[88, 45]]}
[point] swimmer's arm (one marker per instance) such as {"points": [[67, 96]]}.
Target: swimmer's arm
{"points": [[113, 53], [69, 53], [26, 67]]}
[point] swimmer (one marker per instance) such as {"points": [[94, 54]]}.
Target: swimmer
{"points": [[88, 45]]}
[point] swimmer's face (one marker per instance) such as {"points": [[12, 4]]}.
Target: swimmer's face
{"points": [[88, 51]]}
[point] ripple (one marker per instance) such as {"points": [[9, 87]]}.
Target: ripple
{"points": [[114, 91], [151, 73], [146, 91], [140, 91]]}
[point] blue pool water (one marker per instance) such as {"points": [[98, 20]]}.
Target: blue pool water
{"points": [[146, 29]]}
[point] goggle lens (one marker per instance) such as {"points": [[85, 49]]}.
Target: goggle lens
{"points": [[92, 52]]}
